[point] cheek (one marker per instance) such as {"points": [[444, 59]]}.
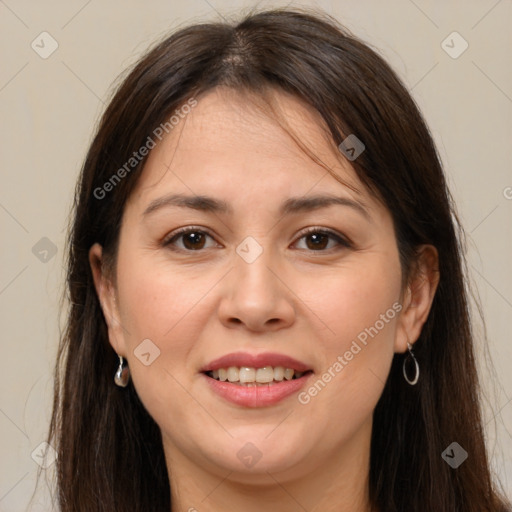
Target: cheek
{"points": [[354, 298], [165, 307], [156, 300], [360, 306]]}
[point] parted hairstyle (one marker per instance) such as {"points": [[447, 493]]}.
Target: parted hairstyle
{"points": [[110, 454]]}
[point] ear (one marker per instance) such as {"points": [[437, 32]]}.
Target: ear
{"points": [[107, 296], [418, 297]]}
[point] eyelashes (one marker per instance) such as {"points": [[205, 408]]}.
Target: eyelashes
{"points": [[323, 233], [200, 235], [194, 239]]}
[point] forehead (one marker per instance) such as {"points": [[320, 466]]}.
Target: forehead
{"points": [[248, 122], [233, 144]]}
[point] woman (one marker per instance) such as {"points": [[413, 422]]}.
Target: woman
{"points": [[268, 304]]}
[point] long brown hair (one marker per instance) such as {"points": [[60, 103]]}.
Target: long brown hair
{"points": [[110, 455]]}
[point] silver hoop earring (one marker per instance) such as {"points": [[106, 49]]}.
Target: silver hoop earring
{"points": [[122, 375], [416, 367]]}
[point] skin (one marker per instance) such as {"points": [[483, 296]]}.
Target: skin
{"points": [[294, 299]]}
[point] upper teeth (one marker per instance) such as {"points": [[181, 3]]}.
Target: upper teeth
{"points": [[261, 375]]}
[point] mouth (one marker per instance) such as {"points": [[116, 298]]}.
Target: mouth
{"points": [[255, 377], [256, 380]]}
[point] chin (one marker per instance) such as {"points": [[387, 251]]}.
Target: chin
{"points": [[257, 451]]}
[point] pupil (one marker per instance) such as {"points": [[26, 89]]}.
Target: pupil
{"points": [[316, 238], [194, 238]]}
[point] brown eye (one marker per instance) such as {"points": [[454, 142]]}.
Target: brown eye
{"points": [[318, 240], [191, 240]]}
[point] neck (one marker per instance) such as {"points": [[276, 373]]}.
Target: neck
{"points": [[330, 482]]}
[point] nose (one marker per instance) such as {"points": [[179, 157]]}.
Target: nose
{"points": [[256, 296]]}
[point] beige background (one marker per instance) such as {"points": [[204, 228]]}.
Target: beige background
{"points": [[49, 108]]}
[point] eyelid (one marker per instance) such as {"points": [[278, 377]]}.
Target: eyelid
{"points": [[342, 240], [182, 231]]}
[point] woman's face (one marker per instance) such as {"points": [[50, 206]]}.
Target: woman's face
{"points": [[249, 280]]}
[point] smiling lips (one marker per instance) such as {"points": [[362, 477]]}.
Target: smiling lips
{"points": [[255, 380]]}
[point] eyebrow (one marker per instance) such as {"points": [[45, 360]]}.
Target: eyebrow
{"points": [[292, 205]]}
